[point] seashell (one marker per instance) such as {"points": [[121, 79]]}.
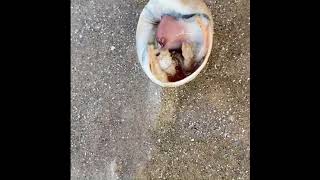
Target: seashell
{"points": [[174, 40]]}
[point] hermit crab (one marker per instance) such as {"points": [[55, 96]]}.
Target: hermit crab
{"points": [[174, 40]]}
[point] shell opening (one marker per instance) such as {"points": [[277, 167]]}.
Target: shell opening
{"points": [[181, 44], [175, 54]]}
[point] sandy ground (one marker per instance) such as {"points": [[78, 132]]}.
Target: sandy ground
{"points": [[125, 127]]}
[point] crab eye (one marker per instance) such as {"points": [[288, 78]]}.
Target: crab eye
{"points": [[162, 42]]}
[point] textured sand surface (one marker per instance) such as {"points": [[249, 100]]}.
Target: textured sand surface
{"points": [[125, 127]]}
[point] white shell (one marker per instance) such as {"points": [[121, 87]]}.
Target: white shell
{"points": [[146, 32]]}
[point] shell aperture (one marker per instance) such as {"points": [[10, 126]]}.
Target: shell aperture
{"points": [[173, 40]]}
